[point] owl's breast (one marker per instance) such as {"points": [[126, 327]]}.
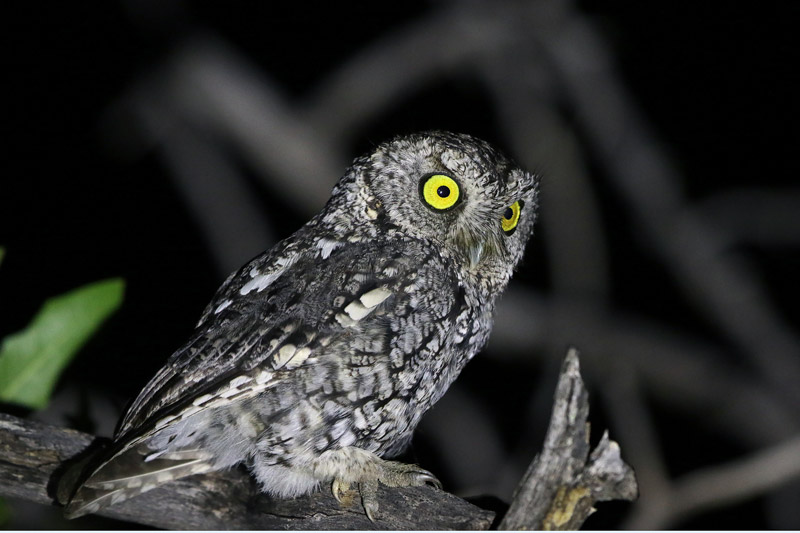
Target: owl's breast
{"points": [[430, 331]]}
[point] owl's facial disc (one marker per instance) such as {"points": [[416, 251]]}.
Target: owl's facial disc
{"points": [[457, 192]]}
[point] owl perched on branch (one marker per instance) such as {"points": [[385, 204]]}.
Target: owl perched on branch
{"points": [[317, 359]]}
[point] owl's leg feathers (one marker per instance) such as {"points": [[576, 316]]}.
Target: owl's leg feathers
{"points": [[354, 465]]}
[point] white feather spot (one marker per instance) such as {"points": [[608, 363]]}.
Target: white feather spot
{"points": [[164, 421], [154, 455], [358, 419], [298, 358], [261, 282], [189, 411], [164, 477], [348, 439], [327, 246], [241, 380], [200, 400], [284, 354], [356, 310], [375, 297], [230, 392], [263, 377], [344, 320], [339, 428], [222, 306]]}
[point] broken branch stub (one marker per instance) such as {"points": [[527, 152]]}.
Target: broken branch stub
{"points": [[564, 481]]}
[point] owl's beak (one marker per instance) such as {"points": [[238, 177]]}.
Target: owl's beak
{"points": [[475, 254]]}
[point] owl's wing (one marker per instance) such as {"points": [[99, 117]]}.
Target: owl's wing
{"points": [[224, 333], [278, 313], [275, 314]]}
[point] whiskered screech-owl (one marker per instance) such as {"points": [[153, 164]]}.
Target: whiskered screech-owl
{"points": [[316, 360]]}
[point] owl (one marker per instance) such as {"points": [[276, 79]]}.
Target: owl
{"points": [[314, 363]]}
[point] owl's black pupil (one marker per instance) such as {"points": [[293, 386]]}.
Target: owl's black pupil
{"points": [[443, 191], [508, 214]]}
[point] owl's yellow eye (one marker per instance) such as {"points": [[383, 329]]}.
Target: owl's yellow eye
{"points": [[510, 217], [439, 191]]}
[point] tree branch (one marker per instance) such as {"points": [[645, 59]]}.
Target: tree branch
{"points": [[33, 456], [563, 483]]}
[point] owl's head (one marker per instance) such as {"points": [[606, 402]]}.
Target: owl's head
{"points": [[454, 190]]}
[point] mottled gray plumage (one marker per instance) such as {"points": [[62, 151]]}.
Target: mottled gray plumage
{"points": [[319, 357]]}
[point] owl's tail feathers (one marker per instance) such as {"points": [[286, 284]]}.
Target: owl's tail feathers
{"points": [[132, 473]]}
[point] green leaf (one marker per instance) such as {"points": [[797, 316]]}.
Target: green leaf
{"points": [[32, 360]]}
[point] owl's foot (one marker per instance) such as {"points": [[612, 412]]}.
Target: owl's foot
{"points": [[391, 474]]}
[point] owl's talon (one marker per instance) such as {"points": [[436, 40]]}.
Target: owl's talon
{"points": [[419, 477], [339, 488], [430, 479], [369, 498]]}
